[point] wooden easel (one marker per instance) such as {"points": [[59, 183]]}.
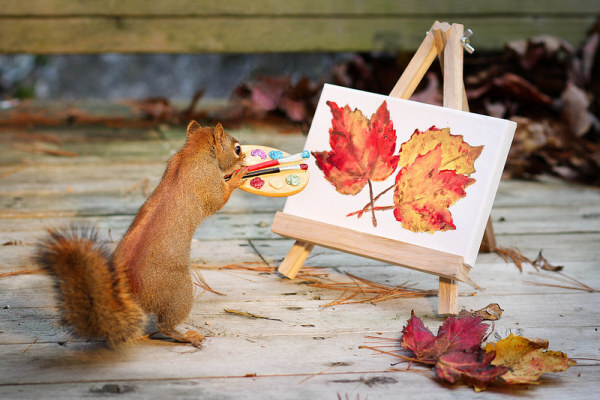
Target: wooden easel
{"points": [[445, 42]]}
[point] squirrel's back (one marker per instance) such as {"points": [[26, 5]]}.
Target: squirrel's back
{"points": [[94, 295]]}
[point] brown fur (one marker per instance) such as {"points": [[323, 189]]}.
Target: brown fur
{"points": [[149, 270]]}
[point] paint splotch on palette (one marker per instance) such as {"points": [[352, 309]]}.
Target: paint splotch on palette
{"points": [[258, 153], [257, 182], [293, 180], [282, 184]]}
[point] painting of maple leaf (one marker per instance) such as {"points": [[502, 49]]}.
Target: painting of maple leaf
{"points": [[457, 155], [434, 169], [434, 172], [423, 193], [362, 150]]}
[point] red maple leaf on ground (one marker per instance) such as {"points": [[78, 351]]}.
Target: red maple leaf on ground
{"points": [[455, 334], [362, 149], [456, 353]]}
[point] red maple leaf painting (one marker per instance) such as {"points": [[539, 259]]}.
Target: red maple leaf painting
{"points": [[362, 150]]}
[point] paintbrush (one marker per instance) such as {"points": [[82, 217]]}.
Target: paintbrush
{"points": [[275, 170], [279, 161]]}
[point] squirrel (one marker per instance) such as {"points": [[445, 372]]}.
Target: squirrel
{"points": [[104, 296]]}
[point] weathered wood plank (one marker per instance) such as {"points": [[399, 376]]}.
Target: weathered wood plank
{"points": [[293, 7], [228, 222], [323, 343], [263, 34], [330, 382]]}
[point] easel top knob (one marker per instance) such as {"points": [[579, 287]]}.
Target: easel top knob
{"points": [[465, 41]]}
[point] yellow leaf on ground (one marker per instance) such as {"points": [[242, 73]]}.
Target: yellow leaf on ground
{"points": [[527, 359]]}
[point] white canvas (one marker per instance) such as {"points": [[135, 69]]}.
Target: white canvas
{"points": [[320, 201]]}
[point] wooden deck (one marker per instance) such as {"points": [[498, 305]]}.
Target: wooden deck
{"points": [[234, 26], [303, 351]]}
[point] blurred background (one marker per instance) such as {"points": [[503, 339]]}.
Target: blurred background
{"points": [[146, 64]]}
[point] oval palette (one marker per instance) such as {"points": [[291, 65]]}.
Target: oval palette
{"points": [[281, 184]]}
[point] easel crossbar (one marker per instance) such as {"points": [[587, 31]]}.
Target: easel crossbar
{"points": [[379, 248]]}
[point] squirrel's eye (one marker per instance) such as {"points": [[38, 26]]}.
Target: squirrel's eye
{"points": [[238, 149]]}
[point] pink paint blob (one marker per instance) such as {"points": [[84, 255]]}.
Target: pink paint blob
{"points": [[257, 183], [258, 153]]}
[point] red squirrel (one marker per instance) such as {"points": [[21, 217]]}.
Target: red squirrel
{"points": [[104, 296]]}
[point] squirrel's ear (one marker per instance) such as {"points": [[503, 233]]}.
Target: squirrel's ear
{"points": [[219, 133], [192, 127]]}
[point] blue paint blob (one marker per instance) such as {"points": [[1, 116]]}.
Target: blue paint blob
{"points": [[275, 154]]}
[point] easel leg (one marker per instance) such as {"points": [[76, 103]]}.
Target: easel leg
{"points": [[488, 244], [295, 258], [448, 297]]}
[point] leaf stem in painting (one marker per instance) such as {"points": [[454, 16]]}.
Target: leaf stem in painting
{"points": [[372, 202], [370, 209]]}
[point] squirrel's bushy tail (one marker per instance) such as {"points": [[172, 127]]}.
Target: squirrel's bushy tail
{"points": [[94, 295]]}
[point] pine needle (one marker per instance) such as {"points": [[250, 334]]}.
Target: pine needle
{"points": [[571, 283], [515, 256], [199, 281], [372, 292], [32, 343], [21, 272], [357, 290]]}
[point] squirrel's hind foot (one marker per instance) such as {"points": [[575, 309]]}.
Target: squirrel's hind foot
{"points": [[195, 338], [192, 337]]}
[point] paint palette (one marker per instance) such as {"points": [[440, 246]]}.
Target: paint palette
{"points": [[281, 184]]}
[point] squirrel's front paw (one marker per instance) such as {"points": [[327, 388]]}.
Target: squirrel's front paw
{"points": [[237, 178]]}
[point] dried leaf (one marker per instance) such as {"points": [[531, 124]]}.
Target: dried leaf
{"points": [[431, 94], [474, 366], [542, 263], [456, 353], [527, 359], [491, 312], [522, 89], [267, 91], [455, 335], [575, 110]]}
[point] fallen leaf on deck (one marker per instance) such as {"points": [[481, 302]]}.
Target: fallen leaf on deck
{"points": [[542, 263], [475, 367], [491, 312], [455, 335], [457, 353], [527, 359]]}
